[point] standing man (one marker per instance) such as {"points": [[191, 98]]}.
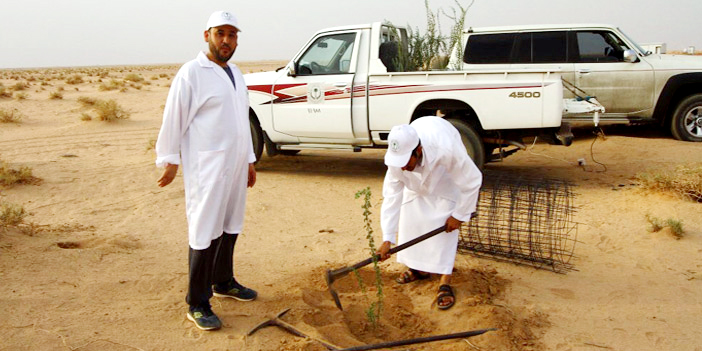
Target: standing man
{"points": [[206, 127], [430, 181]]}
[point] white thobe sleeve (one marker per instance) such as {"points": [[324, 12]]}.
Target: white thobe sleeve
{"points": [[468, 180], [175, 123], [390, 210]]}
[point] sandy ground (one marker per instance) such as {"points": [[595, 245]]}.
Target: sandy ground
{"points": [[103, 265]]}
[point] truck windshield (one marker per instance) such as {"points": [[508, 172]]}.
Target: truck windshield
{"points": [[638, 48]]}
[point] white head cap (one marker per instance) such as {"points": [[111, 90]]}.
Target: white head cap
{"points": [[403, 139], [222, 18]]}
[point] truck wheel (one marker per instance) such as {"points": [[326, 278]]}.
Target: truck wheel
{"points": [[687, 120], [472, 142], [256, 136]]}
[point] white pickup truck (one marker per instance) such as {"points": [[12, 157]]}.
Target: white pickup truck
{"points": [[341, 91]]}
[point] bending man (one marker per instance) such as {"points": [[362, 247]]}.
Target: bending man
{"points": [[430, 181]]}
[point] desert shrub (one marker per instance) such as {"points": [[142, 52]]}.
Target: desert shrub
{"points": [[10, 115], [10, 176], [4, 92], [112, 85], [55, 95], [75, 79], [109, 111], [431, 49], [86, 101], [685, 181], [134, 77], [675, 225], [21, 95], [19, 86], [86, 117], [11, 215]]}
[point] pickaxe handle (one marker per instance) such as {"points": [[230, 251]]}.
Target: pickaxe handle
{"points": [[345, 270]]}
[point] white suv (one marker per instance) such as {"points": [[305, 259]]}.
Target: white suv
{"points": [[635, 86]]}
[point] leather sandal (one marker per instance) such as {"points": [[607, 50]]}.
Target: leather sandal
{"points": [[411, 275], [445, 291]]}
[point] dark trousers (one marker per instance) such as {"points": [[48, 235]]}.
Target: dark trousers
{"points": [[213, 265]]}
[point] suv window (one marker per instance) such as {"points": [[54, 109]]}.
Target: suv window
{"points": [[489, 48], [600, 46], [542, 47]]}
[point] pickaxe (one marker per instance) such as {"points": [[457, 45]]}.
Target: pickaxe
{"points": [[276, 321], [333, 275]]}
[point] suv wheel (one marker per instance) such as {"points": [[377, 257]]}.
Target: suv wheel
{"points": [[686, 123]]}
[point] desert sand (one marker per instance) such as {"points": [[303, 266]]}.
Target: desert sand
{"points": [[101, 260]]}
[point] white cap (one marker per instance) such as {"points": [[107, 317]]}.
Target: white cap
{"points": [[222, 18], [403, 139]]}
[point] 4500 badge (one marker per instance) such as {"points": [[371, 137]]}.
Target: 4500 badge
{"points": [[527, 94]]}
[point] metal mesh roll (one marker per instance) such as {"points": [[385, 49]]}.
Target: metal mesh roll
{"points": [[524, 220]]}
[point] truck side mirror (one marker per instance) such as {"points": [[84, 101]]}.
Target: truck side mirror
{"points": [[630, 56], [292, 71]]}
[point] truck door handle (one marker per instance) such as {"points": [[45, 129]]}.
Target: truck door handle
{"points": [[341, 85], [584, 71]]}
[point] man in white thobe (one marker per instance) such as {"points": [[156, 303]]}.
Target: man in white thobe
{"points": [[430, 181], [206, 129]]}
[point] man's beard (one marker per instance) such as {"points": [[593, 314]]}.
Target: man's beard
{"points": [[215, 53]]}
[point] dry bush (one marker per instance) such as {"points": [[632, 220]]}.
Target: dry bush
{"points": [[75, 79], [19, 86], [21, 95], [675, 225], [10, 115], [112, 85], [10, 176], [4, 92], [134, 77], [105, 110], [11, 215], [685, 180], [55, 95], [87, 101]]}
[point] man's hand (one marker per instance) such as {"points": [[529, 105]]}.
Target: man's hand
{"points": [[168, 175], [252, 176], [452, 224], [383, 250]]}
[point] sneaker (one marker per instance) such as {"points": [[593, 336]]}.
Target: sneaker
{"points": [[204, 318], [235, 291]]}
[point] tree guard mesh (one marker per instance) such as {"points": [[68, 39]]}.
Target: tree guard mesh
{"points": [[523, 220]]}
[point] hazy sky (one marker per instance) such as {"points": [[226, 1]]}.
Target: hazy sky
{"points": [[59, 33]]}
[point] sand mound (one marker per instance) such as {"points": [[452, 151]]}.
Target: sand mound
{"points": [[409, 311]]}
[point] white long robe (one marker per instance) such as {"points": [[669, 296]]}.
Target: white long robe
{"points": [[206, 126], [446, 183]]}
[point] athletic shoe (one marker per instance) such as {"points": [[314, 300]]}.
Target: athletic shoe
{"points": [[204, 318], [234, 290]]}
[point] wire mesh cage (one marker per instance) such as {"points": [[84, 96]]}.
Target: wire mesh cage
{"points": [[524, 220]]}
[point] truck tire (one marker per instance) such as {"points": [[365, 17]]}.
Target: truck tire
{"points": [[686, 123], [472, 142], [256, 136]]}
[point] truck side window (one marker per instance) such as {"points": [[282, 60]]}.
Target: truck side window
{"points": [[541, 47], [489, 48], [600, 46], [328, 55]]}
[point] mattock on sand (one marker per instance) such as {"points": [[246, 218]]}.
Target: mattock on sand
{"points": [[276, 321]]}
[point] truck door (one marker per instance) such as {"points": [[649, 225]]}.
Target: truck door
{"points": [[623, 88], [315, 101]]}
